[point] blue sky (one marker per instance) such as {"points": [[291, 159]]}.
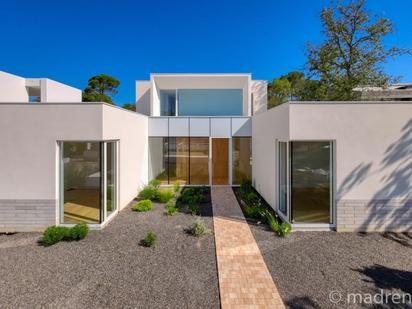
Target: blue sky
{"points": [[70, 41]]}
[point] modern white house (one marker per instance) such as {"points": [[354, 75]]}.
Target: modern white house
{"points": [[320, 165]]}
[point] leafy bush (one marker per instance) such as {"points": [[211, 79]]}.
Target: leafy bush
{"points": [[155, 183], [144, 205], [79, 231], [198, 228], [171, 207], [193, 208], [165, 195], [252, 198], [149, 193], [284, 229], [273, 223], [54, 234], [150, 239], [176, 186], [246, 186]]}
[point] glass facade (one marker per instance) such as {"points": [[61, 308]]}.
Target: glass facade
{"points": [[242, 159], [181, 159], [167, 102], [82, 175], [210, 102], [311, 182], [283, 178]]}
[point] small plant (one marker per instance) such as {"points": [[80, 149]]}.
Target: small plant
{"points": [[149, 193], [165, 195], [193, 208], [150, 239], [54, 234], [155, 183], [171, 208], [176, 186], [273, 223], [79, 231], [142, 206], [284, 229], [246, 186], [198, 228]]}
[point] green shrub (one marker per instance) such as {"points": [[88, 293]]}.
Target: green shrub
{"points": [[150, 239], [273, 223], [79, 231], [284, 229], [54, 234], [176, 186], [193, 208], [149, 193], [198, 228], [144, 205], [171, 207], [246, 186], [165, 195], [155, 183], [252, 199]]}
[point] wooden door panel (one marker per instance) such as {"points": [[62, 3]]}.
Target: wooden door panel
{"points": [[220, 161]]}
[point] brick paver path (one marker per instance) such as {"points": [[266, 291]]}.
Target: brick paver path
{"points": [[244, 280]]}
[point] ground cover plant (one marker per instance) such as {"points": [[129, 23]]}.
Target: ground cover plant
{"points": [[191, 198], [254, 207], [150, 239], [55, 234], [198, 228], [142, 206]]}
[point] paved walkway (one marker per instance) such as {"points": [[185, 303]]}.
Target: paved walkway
{"points": [[244, 280]]}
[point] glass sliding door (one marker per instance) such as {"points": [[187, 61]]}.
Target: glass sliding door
{"points": [[199, 160], [241, 159], [86, 167], [311, 188], [81, 166], [178, 163], [158, 159], [283, 177], [111, 174]]}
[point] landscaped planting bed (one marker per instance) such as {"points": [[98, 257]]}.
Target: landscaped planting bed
{"points": [[111, 268]]}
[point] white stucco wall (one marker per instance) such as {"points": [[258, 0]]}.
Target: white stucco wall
{"points": [[52, 91], [266, 129], [143, 97], [12, 88], [259, 89], [131, 129]]}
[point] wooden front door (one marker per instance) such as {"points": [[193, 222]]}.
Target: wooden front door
{"points": [[220, 161]]}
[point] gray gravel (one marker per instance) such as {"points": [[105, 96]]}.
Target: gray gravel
{"points": [[110, 269], [308, 266]]}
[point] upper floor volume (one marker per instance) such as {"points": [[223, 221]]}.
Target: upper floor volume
{"points": [[210, 95]]}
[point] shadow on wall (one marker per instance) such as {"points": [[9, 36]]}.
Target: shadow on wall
{"points": [[398, 182], [259, 90]]}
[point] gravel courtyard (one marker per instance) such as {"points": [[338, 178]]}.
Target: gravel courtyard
{"points": [[110, 269], [308, 266]]}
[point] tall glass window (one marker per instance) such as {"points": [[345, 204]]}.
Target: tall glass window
{"points": [[283, 180], [167, 102], [199, 160], [242, 157], [178, 165], [311, 174], [158, 159], [82, 175], [210, 102], [111, 177]]}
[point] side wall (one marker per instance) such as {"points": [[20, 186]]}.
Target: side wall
{"points": [[131, 129], [143, 97], [373, 168], [29, 158], [52, 91], [266, 129], [259, 89], [12, 88]]}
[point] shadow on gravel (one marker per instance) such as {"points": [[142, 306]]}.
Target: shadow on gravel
{"points": [[304, 302], [404, 239], [388, 278]]}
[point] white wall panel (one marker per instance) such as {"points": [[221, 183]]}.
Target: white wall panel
{"points": [[158, 127], [178, 126], [220, 127], [199, 126], [241, 127]]}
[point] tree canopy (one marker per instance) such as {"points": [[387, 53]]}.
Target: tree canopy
{"points": [[129, 106], [100, 88]]}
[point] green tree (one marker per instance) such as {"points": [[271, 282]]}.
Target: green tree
{"points": [[101, 88], [353, 52], [129, 106]]}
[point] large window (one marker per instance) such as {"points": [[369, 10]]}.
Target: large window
{"points": [[283, 178], [168, 102], [210, 102], [181, 159], [311, 182], [242, 157], [88, 181]]}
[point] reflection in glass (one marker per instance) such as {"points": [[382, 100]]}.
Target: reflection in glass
{"points": [[158, 159], [242, 156], [111, 177], [178, 165], [311, 182], [199, 160], [283, 193], [167, 102], [82, 180]]}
